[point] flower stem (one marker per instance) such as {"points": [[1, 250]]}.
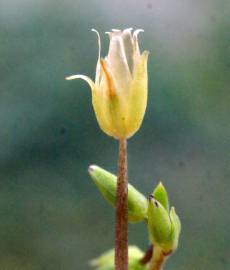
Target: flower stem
{"points": [[158, 259], [147, 256], [121, 227]]}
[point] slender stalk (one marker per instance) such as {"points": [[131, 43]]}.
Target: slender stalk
{"points": [[158, 259], [121, 226], [147, 256]]}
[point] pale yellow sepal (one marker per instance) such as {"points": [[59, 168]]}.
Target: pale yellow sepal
{"points": [[137, 100]]}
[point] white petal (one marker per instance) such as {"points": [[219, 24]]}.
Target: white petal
{"points": [[116, 30], [136, 46], [128, 29], [117, 61], [136, 32], [128, 47]]}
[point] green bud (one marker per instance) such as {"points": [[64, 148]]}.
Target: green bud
{"points": [[107, 184], [106, 260], [160, 194], [164, 227], [159, 224]]}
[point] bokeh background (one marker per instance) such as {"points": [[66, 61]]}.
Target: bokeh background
{"points": [[51, 215]]}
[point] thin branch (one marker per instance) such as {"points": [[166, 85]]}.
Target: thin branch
{"points": [[147, 256]]}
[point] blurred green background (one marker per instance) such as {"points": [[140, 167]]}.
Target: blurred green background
{"points": [[51, 215]]}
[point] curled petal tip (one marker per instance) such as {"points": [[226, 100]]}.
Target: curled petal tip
{"points": [[72, 77], [128, 29], [94, 30], [98, 35], [136, 32], [116, 30], [97, 77]]}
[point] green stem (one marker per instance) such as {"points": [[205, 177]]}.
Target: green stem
{"points": [[121, 226], [158, 259]]}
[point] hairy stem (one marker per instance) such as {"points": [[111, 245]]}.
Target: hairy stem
{"points": [[121, 227], [158, 259]]}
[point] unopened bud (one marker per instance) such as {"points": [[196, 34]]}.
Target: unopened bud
{"points": [[107, 184], [106, 260], [163, 226]]}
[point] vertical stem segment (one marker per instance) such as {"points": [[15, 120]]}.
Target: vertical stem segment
{"points": [[121, 227]]}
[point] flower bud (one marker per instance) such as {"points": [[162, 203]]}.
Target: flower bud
{"points": [[119, 93], [107, 184], [106, 260], [163, 226]]}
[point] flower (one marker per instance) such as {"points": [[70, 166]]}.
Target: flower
{"points": [[119, 93]]}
